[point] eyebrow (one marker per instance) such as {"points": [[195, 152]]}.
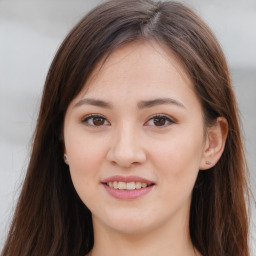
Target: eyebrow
{"points": [[159, 101], [94, 102], [141, 105]]}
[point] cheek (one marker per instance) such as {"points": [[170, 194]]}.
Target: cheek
{"points": [[177, 166], [83, 151], [177, 159], [85, 156]]}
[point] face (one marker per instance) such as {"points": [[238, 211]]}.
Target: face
{"points": [[134, 139]]}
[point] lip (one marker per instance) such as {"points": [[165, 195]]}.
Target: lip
{"points": [[127, 179], [127, 194]]}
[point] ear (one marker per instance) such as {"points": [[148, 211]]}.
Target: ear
{"points": [[65, 157], [214, 144]]}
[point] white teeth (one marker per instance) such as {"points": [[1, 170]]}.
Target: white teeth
{"points": [[143, 184], [130, 186], [127, 186], [138, 185], [115, 184], [121, 185]]}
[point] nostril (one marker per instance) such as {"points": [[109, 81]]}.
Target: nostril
{"points": [[114, 163], [125, 155]]}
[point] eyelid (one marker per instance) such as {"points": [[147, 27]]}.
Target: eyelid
{"points": [[167, 117], [89, 116]]}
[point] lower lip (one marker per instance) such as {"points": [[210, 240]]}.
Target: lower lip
{"points": [[127, 194]]}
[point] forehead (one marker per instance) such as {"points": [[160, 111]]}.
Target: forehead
{"points": [[143, 67]]}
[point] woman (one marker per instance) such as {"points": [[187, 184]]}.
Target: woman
{"points": [[137, 148]]}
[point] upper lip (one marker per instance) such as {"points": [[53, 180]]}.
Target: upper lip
{"points": [[127, 179]]}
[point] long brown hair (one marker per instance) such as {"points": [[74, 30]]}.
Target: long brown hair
{"points": [[50, 219]]}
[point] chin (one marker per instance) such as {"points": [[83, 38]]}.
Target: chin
{"points": [[128, 228], [129, 223]]}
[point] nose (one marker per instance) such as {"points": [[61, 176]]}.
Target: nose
{"points": [[125, 148]]}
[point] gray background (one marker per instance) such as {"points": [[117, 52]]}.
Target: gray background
{"points": [[30, 33]]}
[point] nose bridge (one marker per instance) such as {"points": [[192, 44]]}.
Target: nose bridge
{"points": [[124, 142], [126, 148]]}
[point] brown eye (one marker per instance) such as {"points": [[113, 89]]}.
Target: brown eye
{"points": [[95, 121], [160, 121]]}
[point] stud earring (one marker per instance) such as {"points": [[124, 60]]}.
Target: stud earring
{"points": [[65, 158], [208, 162]]}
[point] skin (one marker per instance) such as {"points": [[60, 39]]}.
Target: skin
{"points": [[128, 140]]}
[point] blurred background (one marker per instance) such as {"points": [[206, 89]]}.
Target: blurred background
{"points": [[30, 33]]}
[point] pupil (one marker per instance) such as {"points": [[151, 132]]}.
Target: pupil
{"points": [[98, 121], [159, 121]]}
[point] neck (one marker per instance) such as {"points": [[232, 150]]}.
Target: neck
{"points": [[161, 240]]}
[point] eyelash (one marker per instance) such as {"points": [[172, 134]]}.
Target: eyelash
{"points": [[87, 118], [164, 117]]}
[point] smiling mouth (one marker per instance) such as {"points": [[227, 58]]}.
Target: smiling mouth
{"points": [[134, 185], [127, 187]]}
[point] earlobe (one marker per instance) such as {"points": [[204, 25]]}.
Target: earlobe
{"points": [[65, 158], [214, 144]]}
